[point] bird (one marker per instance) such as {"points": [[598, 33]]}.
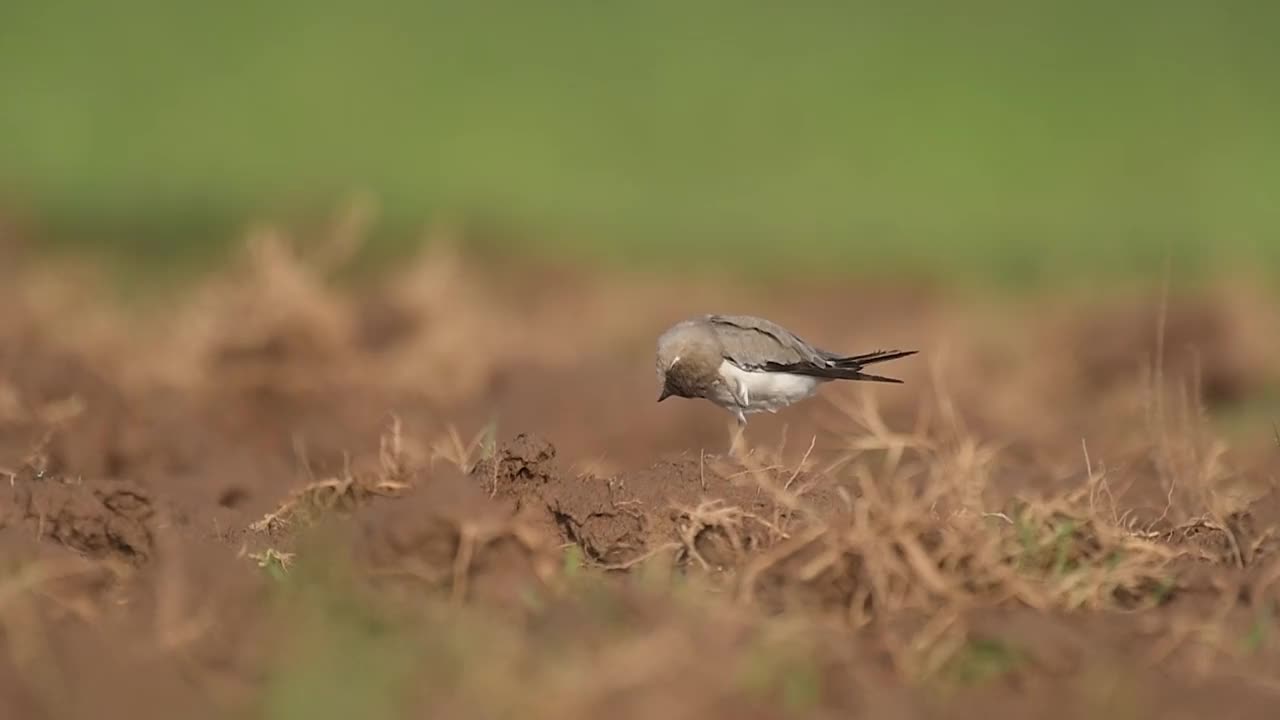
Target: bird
{"points": [[748, 364]]}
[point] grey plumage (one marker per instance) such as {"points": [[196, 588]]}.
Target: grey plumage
{"points": [[754, 343]]}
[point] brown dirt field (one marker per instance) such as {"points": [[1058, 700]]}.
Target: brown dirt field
{"points": [[450, 493]]}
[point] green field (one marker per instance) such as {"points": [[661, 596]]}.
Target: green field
{"points": [[998, 140]]}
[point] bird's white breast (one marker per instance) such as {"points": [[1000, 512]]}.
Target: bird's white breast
{"points": [[757, 390]]}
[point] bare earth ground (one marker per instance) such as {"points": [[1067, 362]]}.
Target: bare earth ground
{"points": [[451, 494]]}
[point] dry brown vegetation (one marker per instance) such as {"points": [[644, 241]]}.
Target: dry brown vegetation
{"points": [[450, 494]]}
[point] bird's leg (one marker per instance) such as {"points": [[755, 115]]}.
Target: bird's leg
{"points": [[737, 432]]}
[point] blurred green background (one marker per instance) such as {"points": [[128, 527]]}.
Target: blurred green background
{"points": [[1020, 141]]}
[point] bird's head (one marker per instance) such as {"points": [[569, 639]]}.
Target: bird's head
{"points": [[688, 362]]}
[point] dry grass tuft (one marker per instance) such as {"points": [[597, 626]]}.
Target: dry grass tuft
{"points": [[923, 532], [463, 456], [346, 492]]}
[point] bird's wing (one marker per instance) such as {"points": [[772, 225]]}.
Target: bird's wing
{"points": [[754, 343]]}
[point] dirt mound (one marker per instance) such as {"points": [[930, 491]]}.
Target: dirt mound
{"points": [[444, 536], [706, 509], [1243, 538], [101, 519]]}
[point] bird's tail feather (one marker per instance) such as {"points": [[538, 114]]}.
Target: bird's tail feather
{"points": [[846, 368], [848, 373], [853, 361]]}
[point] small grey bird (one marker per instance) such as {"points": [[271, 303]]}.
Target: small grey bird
{"points": [[747, 364]]}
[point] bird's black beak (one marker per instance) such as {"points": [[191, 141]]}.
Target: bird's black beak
{"points": [[666, 393]]}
